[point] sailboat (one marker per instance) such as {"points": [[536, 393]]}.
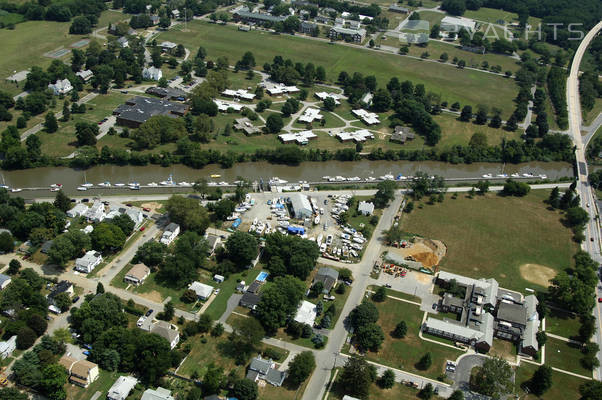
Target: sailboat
{"points": [[86, 184], [3, 186], [168, 182]]}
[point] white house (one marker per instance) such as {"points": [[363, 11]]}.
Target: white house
{"points": [[4, 281], [202, 290], [136, 216], [170, 233], [60, 87], [310, 115], [77, 211], [159, 394], [7, 347], [152, 73], [137, 274], [167, 331], [96, 212], [88, 229], [369, 118], [88, 262], [122, 388], [454, 24], [365, 207], [86, 75], [306, 313], [123, 42]]}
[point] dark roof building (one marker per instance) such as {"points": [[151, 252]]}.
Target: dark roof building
{"points": [[402, 134], [245, 15], [169, 93], [250, 300], [138, 110], [254, 287], [308, 28], [328, 276], [399, 9]]}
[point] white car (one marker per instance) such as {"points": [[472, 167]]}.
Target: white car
{"points": [[140, 321]]}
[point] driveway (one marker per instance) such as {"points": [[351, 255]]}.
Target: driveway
{"points": [[461, 377], [230, 306]]}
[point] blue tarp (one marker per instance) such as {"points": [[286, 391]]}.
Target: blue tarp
{"points": [[236, 223], [296, 230]]}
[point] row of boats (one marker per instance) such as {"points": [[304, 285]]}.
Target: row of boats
{"points": [[516, 175]]}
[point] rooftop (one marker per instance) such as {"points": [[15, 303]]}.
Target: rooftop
{"points": [[139, 109]]}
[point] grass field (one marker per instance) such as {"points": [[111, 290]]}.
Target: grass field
{"points": [[565, 356], [397, 392], [565, 387], [493, 15], [455, 132], [589, 117], [405, 353], [102, 384], [562, 324], [467, 87], [492, 236]]}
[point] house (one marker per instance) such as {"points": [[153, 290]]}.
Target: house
{"points": [[328, 276], [61, 287], [455, 24], [368, 118], [276, 89], [301, 206], [168, 47], [213, 241], [347, 397], [398, 9], [246, 126], [308, 28], [138, 109], [358, 136], [77, 211], [202, 290], [218, 278], [355, 25], [88, 262], [60, 87], [152, 73], [7, 347], [122, 388], [154, 19], [137, 274], [81, 373], [322, 19], [4, 281], [224, 106], [86, 75], [87, 229], [302, 137], [250, 300], [310, 115], [265, 369], [306, 313], [136, 216], [167, 331], [176, 14], [335, 96], [365, 208], [170, 233], [402, 134], [239, 94], [46, 246], [245, 15], [351, 35], [96, 212], [528, 344], [254, 287], [123, 42], [158, 394], [367, 99]]}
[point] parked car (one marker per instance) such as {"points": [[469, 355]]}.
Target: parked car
{"points": [[75, 299], [149, 312], [142, 229]]}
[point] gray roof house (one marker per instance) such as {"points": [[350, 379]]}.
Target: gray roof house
{"points": [[328, 276], [250, 300], [138, 109], [265, 369], [529, 343], [158, 394], [122, 388], [4, 281], [402, 134]]}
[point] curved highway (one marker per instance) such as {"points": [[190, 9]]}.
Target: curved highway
{"points": [[588, 196]]}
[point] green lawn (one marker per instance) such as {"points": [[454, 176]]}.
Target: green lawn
{"points": [[405, 353], [455, 132], [562, 324], [397, 392], [467, 87], [227, 288], [104, 382], [589, 117], [155, 291], [565, 356], [493, 15], [492, 236], [564, 386], [395, 293]]}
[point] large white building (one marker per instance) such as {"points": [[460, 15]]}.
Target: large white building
{"points": [[60, 87], [369, 118], [454, 24], [88, 262], [122, 388], [202, 290], [7, 347], [170, 233], [159, 394], [306, 313], [152, 73], [301, 205], [310, 115], [302, 137]]}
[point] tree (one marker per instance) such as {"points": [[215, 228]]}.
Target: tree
{"points": [[384, 194], [80, 26], [54, 377], [494, 378], [212, 381], [426, 392], [244, 389], [554, 198], [62, 301], [188, 213], [50, 123], [369, 337], [279, 301], [591, 390], [576, 216], [12, 393], [380, 294], [425, 362], [482, 186], [107, 237], [246, 337], [274, 123], [456, 395], [329, 104], [466, 114], [26, 337], [364, 314], [7, 242], [37, 323], [401, 329], [13, 267], [168, 312], [151, 253], [301, 367], [86, 133], [541, 380], [62, 201], [355, 377], [100, 288], [387, 380], [241, 248]]}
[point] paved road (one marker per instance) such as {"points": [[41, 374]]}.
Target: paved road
{"points": [[585, 191]]}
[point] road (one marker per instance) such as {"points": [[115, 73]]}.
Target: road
{"points": [[588, 197]]}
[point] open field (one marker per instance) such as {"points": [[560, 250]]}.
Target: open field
{"points": [[565, 356], [102, 384], [562, 324], [564, 386], [492, 236], [405, 353], [397, 392], [467, 87], [492, 15], [455, 132], [589, 117]]}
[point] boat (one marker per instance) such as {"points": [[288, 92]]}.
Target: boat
{"points": [[82, 188], [168, 182], [54, 189], [137, 187], [502, 175], [277, 181], [105, 184], [56, 185], [370, 178], [16, 190], [120, 184], [153, 184], [223, 183], [527, 175], [4, 187], [387, 177], [215, 176], [487, 176], [317, 219], [515, 175], [187, 184], [542, 176], [86, 184]]}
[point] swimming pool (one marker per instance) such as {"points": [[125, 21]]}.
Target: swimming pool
{"points": [[262, 276]]}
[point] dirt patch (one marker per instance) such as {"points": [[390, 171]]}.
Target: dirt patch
{"points": [[423, 278], [425, 251], [152, 205], [538, 274], [153, 296]]}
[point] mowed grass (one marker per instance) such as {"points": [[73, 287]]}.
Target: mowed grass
{"points": [[467, 87], [102, 384], [397, 392], [564, 386], [565, 356], [492, 236], [405, 353], [455, 132], [563, 324]]}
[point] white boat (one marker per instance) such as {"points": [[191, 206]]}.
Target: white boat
{"points": [[320, 238], [255, 221], [16, 190], [54, 189], [187, 184], [515, 175], [223, 183], [502, 175], [168, 182], [86, 184], [354, 179], [277, 181], [105, 184], [370, 178], [527, 175], [211, 183], [56, 185], [323, 247], [82, 188], [326, 177], [137, 187], [317, 220], [153, 184], [387, 177], [120, 184], [487, 176], [542, 176]]}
